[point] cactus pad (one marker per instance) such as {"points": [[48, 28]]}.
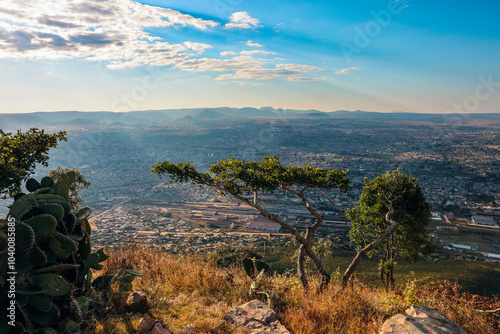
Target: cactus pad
{"points": [[37, 257], [53, 209], [61, 246], [53, 198], [43, 225], [249, 267], [54, 285], [47, 182], [40, 301], [32, 185], [25, 237], [83, 213], [48, 318]]}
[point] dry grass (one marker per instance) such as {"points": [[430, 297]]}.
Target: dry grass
{"points": [[182, 291], [189, 291]]}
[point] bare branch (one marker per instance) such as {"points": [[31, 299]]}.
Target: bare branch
{"points": [[489, 311], [319, 218], [305, 242]]}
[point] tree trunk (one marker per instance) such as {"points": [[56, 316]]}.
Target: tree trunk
{"points": [[325, 277], [362, 252], [300, 268], [392, 279], [310, 230]]}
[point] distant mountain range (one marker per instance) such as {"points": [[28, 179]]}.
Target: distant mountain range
{"points": [[193, 117]]}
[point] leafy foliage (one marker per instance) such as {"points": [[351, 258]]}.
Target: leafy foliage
{"points": [[79, 184], [240, 177], [412, 214], [19, 153]]}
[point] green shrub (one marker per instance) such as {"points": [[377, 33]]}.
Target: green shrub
{"points": [[227, 256]]}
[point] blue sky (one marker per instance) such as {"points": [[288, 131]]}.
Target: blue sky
{"points": [[120, 55]]}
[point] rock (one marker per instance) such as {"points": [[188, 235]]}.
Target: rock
{"points": [[419, 319], [137, 299], [257, 318], [146, 324], [149, 325], [159, 329]]}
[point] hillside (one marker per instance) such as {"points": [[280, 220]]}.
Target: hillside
{"points": [[192, 292]]}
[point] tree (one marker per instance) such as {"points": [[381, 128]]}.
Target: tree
{"points": [[395, 195], [79, 184], [19, 154], [246, 180]]}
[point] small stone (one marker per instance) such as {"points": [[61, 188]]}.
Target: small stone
{"points": [[159, 329], [146, 324], [137, 299]]}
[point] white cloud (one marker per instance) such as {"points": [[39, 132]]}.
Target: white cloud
{"points": [[248, 68], [114, 32], [255, 52], [242, 20], [255, 45], [103, 30], [304, 79], [346, 70], [300, 68], [228, 53]]}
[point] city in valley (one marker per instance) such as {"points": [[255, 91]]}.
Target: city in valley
{"points": [[455, 159]]}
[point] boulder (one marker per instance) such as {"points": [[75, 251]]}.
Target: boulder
{"points": [[419, 319], [257, 318]]}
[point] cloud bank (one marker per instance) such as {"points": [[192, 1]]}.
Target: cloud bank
{"points": [[115, 32]]}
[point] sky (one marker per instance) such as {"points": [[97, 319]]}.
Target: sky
{"points": [[373, 55]]}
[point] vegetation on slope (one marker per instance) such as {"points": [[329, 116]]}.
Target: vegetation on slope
{"points": [[195, 292]]}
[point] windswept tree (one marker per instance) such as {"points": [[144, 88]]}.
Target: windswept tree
{"points": [[389, 221], [246, 180], [19, 154], [79, 184]]}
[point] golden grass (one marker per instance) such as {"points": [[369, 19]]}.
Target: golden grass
{"points": [[188, 291]]}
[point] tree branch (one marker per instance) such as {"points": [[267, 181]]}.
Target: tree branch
{"points": [[303, 241], [319, 218], [489, 311]]}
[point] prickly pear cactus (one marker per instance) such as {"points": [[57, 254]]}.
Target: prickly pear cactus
{"points": [[46, 274]]}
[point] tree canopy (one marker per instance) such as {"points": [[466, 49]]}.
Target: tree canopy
{"points": [[19, 154], [240, 178], [410, 212], [79, 183]]}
